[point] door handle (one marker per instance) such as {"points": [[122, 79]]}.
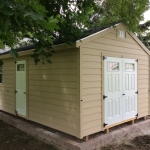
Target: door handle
{"points": [[24, 92], [123, 94]]}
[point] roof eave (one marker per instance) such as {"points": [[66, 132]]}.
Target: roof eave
{"points": [[30, 51], [94, 36]]}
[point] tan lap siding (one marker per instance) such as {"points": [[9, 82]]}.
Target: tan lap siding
{"points": [[7, 87], [53, 92], [91, 91], [109, 45]]}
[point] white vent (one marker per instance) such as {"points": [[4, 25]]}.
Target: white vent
{"points": [[121, 34]]}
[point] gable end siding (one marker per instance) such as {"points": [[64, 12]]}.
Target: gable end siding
{"points": [[92, 88]]}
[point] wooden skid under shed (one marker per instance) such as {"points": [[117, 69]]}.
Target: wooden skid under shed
{"points": [[110, 126]]}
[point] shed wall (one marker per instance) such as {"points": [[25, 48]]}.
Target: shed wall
{"points": [[8, 85], [53, 95], [53, 92], [92, 76], [7, 88]]}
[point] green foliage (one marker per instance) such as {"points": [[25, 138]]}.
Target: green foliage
{"points": [[130, 12], [144, 34], [48, 22], [13, 53], [1, 63], [42, 22], [25, 19]]}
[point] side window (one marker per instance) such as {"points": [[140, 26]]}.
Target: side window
{"points": [[0, 74]]}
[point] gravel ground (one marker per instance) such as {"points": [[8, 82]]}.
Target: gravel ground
{"points": [[137, 143]]}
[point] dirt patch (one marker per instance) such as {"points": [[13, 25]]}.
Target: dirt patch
{"points": [[14, 139], [120, 137], [138, 143], [92, 136]]}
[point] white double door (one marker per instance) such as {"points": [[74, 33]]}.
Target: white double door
{"points": [[120, 89], [21, 88]]}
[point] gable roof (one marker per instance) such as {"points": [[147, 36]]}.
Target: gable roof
{"points": [[94, 35], [86, 33], [107, 30], [91, 35]]}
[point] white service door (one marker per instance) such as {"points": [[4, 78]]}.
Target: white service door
{"points": [[129, 88], [113, 90], [21, 88], [120, 87]]}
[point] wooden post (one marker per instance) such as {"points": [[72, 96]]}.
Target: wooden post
{"points": [[145, 117], [107, 130], [87, 138], [133, 121]]}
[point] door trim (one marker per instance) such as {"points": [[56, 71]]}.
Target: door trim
{"points": [[103, 54], [27, 108]]}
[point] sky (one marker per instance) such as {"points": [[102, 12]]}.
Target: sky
{"points": [[146, 15]]}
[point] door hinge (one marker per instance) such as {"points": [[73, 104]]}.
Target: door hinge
{"points": [[104, 96], [104, 57], [136, 92], [136, 115], [15, 91], [105, 124], [136, 60], [16, 112], [15, 62]]}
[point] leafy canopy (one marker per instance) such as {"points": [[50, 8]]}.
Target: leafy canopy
{"points": [[45, 22], [41, 22], [144, 35], [130, 12]]}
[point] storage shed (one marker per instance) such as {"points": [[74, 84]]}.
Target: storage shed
{"points": [[100, 82]]}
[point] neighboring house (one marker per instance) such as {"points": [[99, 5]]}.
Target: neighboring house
{"points": [[100, 82]]}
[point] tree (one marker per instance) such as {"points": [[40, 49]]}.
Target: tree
{"points": [[144, 34], [41, 22], [44, 22], [130, 12]]}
